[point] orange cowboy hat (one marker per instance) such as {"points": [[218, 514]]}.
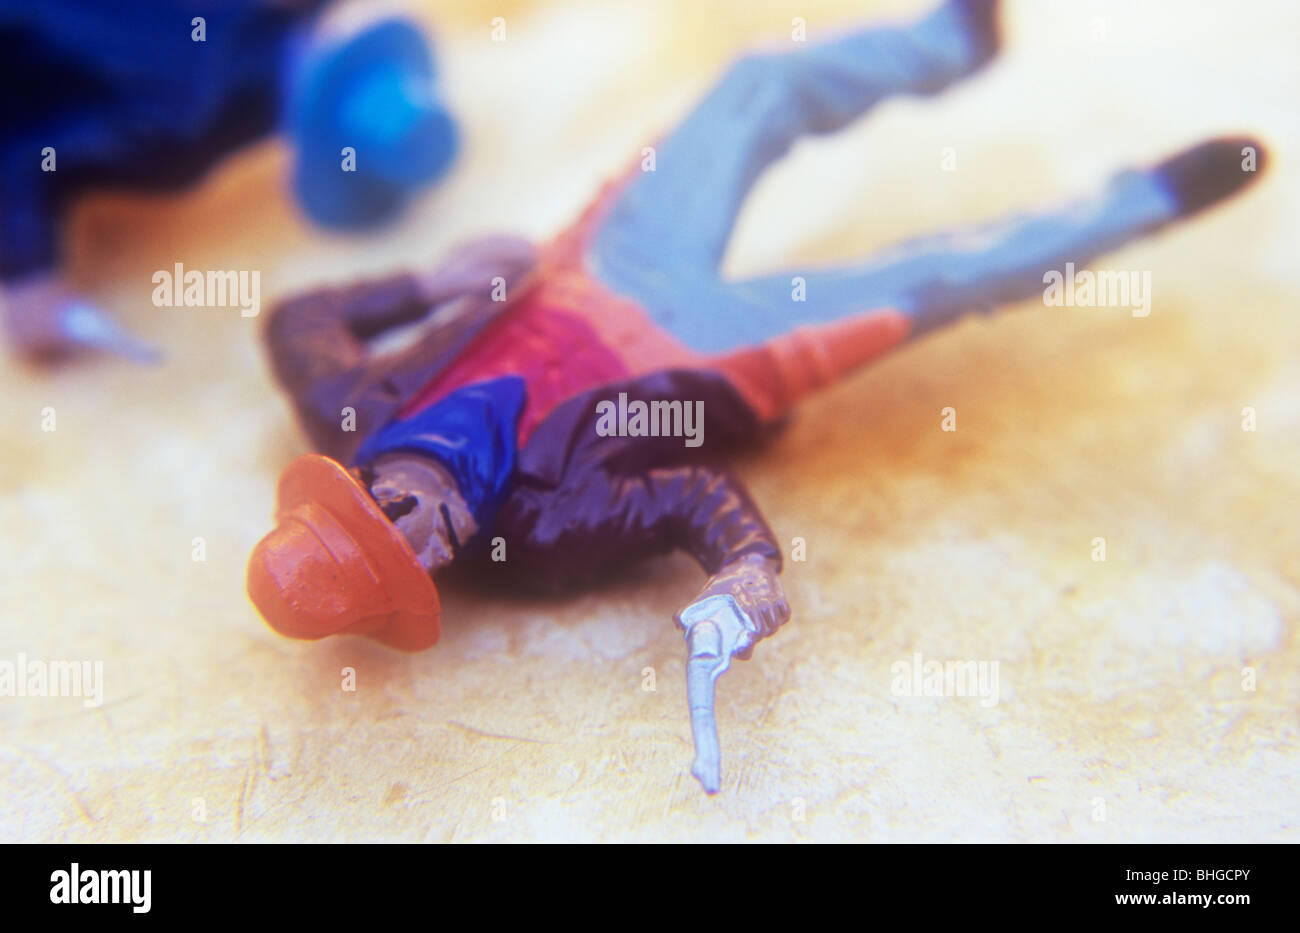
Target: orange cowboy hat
{"points": [[335, 564]]}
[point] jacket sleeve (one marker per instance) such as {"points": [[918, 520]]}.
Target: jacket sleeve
{"points": [[582, 531], [585, 504]]}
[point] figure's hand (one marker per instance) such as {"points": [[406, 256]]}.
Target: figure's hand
{"points": [[476, 267], [753, 583], [740, 605]]}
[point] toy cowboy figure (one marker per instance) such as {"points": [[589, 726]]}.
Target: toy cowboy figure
{"points": [[485, 427]]}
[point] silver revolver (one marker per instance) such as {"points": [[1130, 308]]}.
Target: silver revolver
{"points": [[716, 630]]}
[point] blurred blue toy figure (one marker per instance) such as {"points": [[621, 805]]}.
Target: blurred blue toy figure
{"points": [[148, 95]]}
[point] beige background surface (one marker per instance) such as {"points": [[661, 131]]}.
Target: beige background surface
{"points": [[1119, 681]]}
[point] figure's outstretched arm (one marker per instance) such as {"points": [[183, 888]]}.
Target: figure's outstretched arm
{"points": [[320, 342]]}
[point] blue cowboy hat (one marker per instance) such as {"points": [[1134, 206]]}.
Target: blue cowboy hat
{"points": [[371, 90]]}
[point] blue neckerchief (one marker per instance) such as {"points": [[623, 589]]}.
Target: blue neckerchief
{"points": [[471, 432]]}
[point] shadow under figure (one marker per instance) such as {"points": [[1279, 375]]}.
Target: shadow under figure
{"points": [[553, 423]]}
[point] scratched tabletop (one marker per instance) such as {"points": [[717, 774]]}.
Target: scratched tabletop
{"points": [[1149, 695]]}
